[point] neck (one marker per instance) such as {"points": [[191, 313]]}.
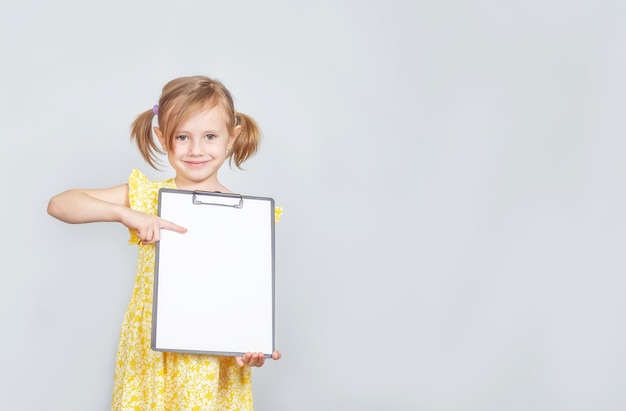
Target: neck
{"points": [[201, 186]]}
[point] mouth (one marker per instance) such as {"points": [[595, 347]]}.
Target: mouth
{"points": [[195, 164]]}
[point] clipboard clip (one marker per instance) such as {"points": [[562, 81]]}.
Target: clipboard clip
{"points": [[196, 199]]}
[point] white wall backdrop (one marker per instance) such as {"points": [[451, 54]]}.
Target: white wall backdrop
{"points": [[452, 176]]}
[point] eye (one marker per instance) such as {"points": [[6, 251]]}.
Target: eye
{"points": [[210, 136], [182, 137]]}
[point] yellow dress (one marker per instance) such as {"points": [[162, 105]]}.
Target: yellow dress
{"points": [[158, 381]]}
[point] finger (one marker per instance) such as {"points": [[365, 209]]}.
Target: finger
{"points": [[239, 361], [252, 360], [142, 237], [148, 240], [156, 235], [276, 355], [149, 237], [260, 359], [168, 225]]}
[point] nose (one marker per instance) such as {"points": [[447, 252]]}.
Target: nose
{"points": [[195, 147]]}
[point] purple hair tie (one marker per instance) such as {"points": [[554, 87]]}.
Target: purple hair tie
{"points": [[155, 109]]}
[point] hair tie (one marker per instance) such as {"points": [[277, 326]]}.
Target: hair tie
{"points": [[155, 109]]}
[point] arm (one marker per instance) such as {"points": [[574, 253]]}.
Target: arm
{"points": [[79, 206]]}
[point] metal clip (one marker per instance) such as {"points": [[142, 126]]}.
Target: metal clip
{"points": [[198, 193]]}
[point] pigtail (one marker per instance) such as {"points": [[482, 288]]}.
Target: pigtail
{"points": [[247, 143], [141, 134]]}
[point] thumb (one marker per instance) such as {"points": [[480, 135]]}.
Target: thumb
{"points": [[239, 361]]}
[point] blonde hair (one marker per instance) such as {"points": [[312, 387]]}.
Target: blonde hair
{"points": [[183, 97]]}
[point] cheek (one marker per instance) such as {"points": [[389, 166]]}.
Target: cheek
{"points": [[175, 150], [218, 149]]}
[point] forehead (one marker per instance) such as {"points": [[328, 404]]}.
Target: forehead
{"points": [[207, 116]]}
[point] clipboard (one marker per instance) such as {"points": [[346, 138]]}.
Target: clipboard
{"points": [[214, 284]]}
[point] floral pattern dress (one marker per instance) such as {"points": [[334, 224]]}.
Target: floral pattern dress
{"points": [[159, 381]]}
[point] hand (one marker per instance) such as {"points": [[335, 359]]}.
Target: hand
{"points": [[256, 359], [148, 226]]}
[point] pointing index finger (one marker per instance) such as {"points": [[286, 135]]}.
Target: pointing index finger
{"points": [[168, 225]]}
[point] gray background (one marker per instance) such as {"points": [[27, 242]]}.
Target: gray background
{"points": [[451, 173]]}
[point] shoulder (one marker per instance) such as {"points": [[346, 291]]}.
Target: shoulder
{"points": [[138, 179], [143, 192]]}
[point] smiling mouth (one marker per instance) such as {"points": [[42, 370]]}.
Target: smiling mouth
{"points": [[196, 163]]}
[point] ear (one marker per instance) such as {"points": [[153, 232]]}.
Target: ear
{"points": [[233, 136], [159, 135]]}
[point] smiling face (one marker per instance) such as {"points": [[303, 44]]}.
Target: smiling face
{"points": [[199, 147]]}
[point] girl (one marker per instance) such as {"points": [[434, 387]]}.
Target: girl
{"points": [[198, 129]]}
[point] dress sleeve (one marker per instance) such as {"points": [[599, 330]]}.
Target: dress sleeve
{"points": [[278, 211]]}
